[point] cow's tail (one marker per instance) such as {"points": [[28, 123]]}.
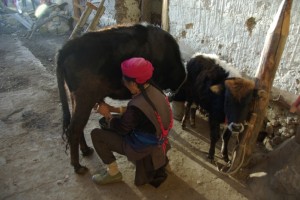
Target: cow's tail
{"points": [[63, 94]]}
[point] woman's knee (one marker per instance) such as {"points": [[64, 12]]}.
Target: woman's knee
{"points": [[100, 135], [95, 132]]}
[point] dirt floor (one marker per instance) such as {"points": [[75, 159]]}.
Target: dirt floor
{"points": [[34, 164]]}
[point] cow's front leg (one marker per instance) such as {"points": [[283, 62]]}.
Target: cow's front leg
{"points": [[214, 137], [211, 152], [225, 140], [193, 116], [186, 115]]}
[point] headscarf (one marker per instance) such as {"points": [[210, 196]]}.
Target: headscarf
{"points": [[138, 68]]}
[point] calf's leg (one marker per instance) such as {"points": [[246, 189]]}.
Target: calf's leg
{"points": [[193, 116], [214, 137], [186, 115], [225, 139]]}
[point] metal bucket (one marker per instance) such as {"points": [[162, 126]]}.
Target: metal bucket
{"points": [[177, 109]]}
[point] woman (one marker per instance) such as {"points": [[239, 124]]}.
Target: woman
{"points": [[140, 132]]}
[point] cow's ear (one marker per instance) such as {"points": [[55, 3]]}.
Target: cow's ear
{"points": [[216, 88], [239, 87]]}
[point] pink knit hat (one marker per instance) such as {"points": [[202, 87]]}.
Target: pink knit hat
{"points": [[138, 68]]}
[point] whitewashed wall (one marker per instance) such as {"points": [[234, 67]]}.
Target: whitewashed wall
{"points": [[109, 17], [218, 26]]}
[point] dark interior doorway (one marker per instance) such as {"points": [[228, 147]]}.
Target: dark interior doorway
{"points": [[151, 11]]}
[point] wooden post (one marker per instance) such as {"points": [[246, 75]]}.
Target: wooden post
{"points": [[76, 10], [165, 16], [269, 62], [146, 11], [95, 21]]}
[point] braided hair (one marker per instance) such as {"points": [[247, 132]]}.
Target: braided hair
{"points": [[143, 91]]}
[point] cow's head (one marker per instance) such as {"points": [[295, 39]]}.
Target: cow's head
{"points": [[238, 96]]}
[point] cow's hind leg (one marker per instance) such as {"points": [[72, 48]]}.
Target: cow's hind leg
{"points": [[225, 140], [85, 149], [74, 149], [79, 120]]}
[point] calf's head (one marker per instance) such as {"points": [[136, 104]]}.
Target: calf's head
{"points": [[238, 94]]}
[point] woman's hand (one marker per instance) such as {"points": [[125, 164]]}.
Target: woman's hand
{"points": [[103, 109]]}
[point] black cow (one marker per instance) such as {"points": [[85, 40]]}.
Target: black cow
{"points": [[90, 67], [220, 90]]}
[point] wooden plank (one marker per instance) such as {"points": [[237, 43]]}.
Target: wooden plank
{"points": [[81, 22], [95, 21], [76, 10], [78, 6], [89, 4], [75, 18], [165, 15]]}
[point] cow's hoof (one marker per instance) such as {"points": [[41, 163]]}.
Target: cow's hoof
{"points": [[192, 122], [87, 152], [225, 158], [211, 158], [80, 169]]}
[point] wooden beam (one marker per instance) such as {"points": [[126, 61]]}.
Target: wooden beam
{"points": [[75, 18], [92, 6], [95, 21], [269, 62], [165, 15], [82, 20], [78, 6], [76, 10]]}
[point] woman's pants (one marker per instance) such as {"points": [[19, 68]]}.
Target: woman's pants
{"points": [[105, 143]]}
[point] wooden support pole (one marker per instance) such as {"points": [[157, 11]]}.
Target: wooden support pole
{"points": [[165, 16], [146, 11], [76, 10], [269, 62], [78, 6], [95, 21]]}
